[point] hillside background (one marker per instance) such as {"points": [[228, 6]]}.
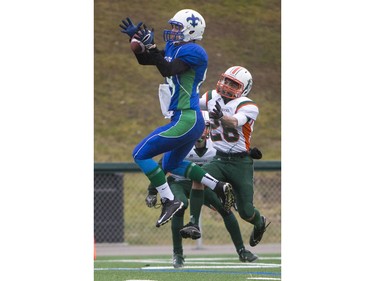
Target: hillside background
{"points": [[126, 105]]}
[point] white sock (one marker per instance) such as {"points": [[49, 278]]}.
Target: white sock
{"points": [[209, 181], [165, 191]]}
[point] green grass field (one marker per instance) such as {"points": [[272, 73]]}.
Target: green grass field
{"points": [[197, 268]]}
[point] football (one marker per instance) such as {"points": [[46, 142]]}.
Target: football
{"points": [[137, 46]]}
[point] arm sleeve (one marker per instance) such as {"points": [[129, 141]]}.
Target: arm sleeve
{"points": [[245, 113], [241, 118], [177, 66], [150, 57], [203, 102], [156, 57]]}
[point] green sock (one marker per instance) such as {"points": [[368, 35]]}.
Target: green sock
{"points": [[195, 172], [233, 228], [156, 177], [176, 225], [196, 202]]}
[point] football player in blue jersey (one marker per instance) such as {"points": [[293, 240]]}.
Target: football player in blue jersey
{"points": [[183, 64]]}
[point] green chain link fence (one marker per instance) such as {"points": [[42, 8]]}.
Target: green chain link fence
{"points": [[121, 215]]}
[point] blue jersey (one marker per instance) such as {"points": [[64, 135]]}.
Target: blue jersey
{"points": [[185, 86], [176, 138]]}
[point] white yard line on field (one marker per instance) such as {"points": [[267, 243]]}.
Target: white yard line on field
{"points": [[249, 265], [189, 260], [190, 263]]}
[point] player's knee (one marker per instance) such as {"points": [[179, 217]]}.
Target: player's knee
{"points": [[136, 152], [186, 203], [134, 155], [247, 212], [224, 213], [137, 156], [197, 186]]}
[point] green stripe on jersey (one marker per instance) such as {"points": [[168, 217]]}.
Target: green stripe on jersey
{"points": [[186, 88], [244, 103], [187, 121]]}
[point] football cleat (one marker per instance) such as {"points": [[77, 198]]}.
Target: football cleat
{"points": [[257, 234], [190, 231], [178, 260], [225, 192], [170, 207], [246, 255]]}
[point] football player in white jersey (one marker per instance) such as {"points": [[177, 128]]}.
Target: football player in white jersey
{"points": [[233, 115], [202, 153]]}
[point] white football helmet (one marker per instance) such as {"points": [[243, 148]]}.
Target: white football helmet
{"points": [[191, 26], [235, 82]]}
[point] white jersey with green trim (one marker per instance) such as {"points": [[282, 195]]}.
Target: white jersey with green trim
{"points": [[199, 156], [231, 140]]}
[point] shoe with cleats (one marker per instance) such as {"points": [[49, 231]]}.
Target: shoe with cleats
{"points": [[190, 231], [170, 207], [225, 192], [257, 234], [178, 260], [246, 255]]}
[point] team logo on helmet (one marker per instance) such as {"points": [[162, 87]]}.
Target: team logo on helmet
{"points": [[193, 20]]}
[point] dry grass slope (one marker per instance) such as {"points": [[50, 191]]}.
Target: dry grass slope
{"points": [[243, 32]]}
